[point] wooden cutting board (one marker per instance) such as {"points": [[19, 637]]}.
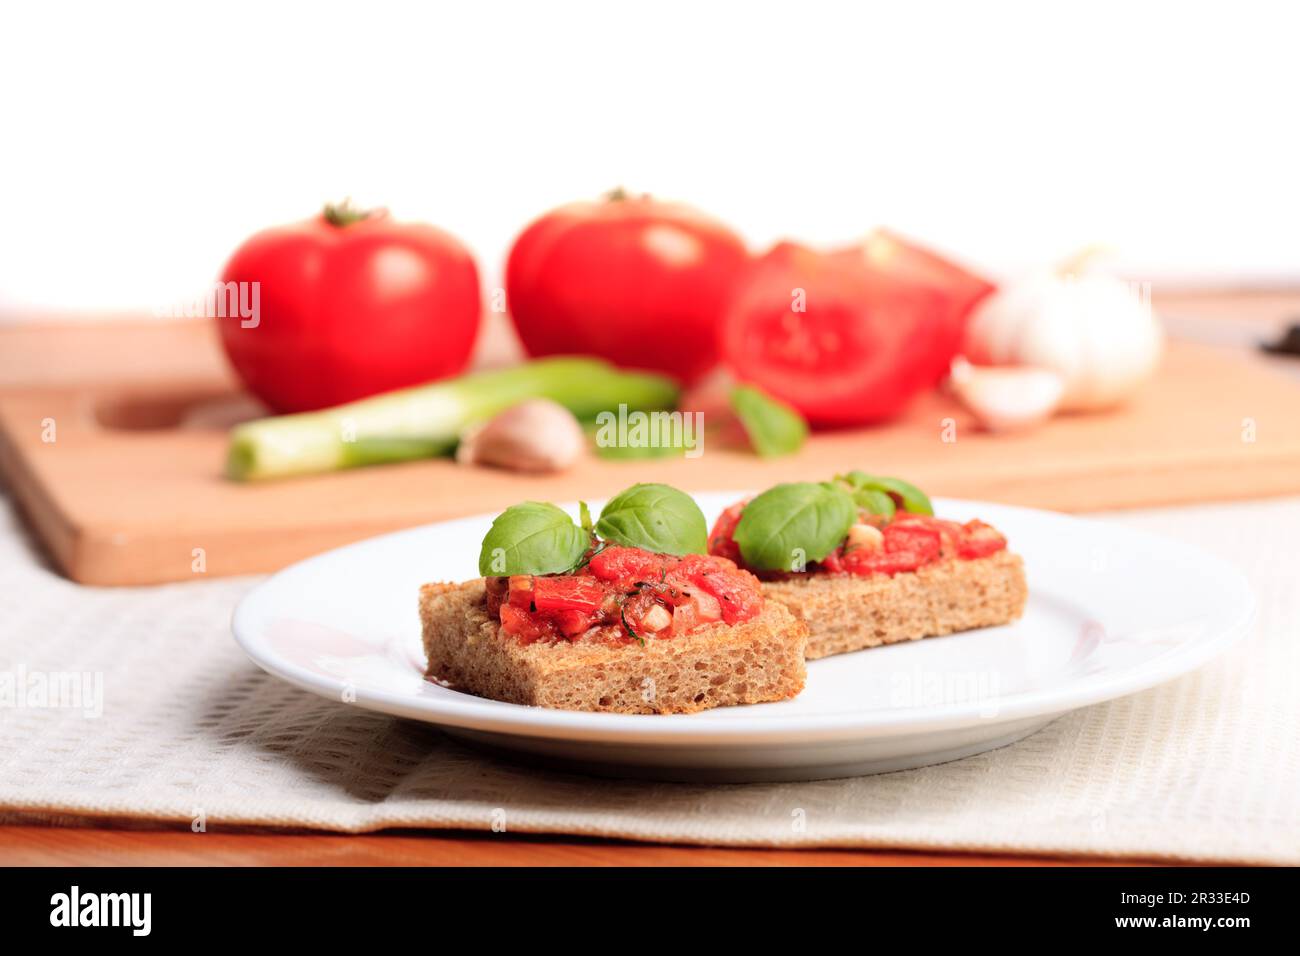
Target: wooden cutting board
{"points": [[130, 491]]}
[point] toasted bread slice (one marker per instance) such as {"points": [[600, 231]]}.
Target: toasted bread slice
{"points": [[715, 666], [848, 613]]}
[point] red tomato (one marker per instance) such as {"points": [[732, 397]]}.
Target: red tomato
{"points": [[722, 541], [979, 540], [573, 623], [617, 563], [846, 338], [950, 532], [351, 309], [891, 258], [520, 593], [636, 281], [833, 563], [879, 561], [922, 541], [567, 592], [525, 626]]}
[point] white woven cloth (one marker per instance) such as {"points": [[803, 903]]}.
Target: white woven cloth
{"points": [[1204, 768]]}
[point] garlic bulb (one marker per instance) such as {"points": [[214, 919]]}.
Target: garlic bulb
{"points": [[1097, 332], [537, 435]]}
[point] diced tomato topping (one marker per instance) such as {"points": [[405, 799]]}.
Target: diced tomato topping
{"points": [[722, 540], [567, 592], [523, 626], [699, 563], [573, 623], [834, 562], [521, 591], [917, 539], [621, 589], [738, 592], [910, 542], [617, 563], [880, 561], [707, 607], [696, 609], [952, 529], [979, 540], [646, 615], [685, 619]]}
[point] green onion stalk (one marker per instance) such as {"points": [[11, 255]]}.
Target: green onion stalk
{"points": [[428, 420]]}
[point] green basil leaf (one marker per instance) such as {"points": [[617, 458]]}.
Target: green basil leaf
{"points": [[655, 517], [875, 502], [790, 524], [532, 538], [773, 427], [584, 516], [912, 498]]}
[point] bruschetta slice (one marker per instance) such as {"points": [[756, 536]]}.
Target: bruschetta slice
{"points": [[873, 572], [624, 630]]}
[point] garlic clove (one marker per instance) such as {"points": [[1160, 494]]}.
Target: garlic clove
{"points": [[656, 619], [1007, 398], [866, 537], [537, 435]]}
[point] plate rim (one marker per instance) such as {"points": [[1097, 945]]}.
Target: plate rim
{"points": [[681, 730]]}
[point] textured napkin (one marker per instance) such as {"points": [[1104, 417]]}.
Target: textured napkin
{"points": [[1204, 768]]}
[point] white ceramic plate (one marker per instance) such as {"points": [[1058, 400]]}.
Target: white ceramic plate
{"points": [[1111, 611]]}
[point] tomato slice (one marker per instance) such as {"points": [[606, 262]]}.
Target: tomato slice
{"points": [[617, 563], [854, 348], [891, 258], [567, 593]]}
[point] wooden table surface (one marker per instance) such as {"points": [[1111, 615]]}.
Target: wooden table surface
{"points": [[99, 845]]}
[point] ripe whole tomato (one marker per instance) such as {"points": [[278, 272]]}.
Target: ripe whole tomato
{"points": [[350, 304], [848, 337], [636, 281], [889, 258]]}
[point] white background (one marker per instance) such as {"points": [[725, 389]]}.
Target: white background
{"points": [[141, 143]]}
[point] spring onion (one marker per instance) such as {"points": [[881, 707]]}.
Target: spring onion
{"points": [[427, 420]]}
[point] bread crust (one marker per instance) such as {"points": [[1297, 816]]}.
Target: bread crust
{"points": [[848, 612], [718, 665]]}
